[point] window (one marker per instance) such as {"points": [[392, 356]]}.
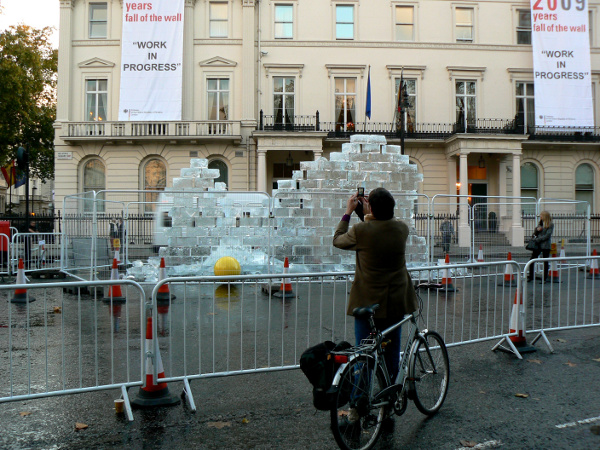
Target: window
{"points": [[525, 117], [524, 27], [96, 94], [345, 99], [584, 187], [218, 98], [284, 20], [93, 180], [465, 105], [529, 187], [405, 23], [218, 20], [98, 21], [464, 24], [223, 170], [155, 179], [283, 100], [344, 22], [411, 110]]}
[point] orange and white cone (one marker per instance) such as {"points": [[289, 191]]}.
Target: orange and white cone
{"points": [[554, 274], [152, 393], [517, 326], [43, 253], [480, 254], [163, 319], [447, 284], [594, 272], [163, 295], [114, 292], [509, 276], [562, 252], [117, 246], [21, 293], [286, 283]]}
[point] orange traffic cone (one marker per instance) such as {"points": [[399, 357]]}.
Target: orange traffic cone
{"points": [[520, 340], [594, 272], [553, 274], [163, 319], [42, 245], [562, 252], [21, 293], [480, 254], [286, 283], [509, 276], [114, 291], [447, 284], [152, 394], [163, 294]]}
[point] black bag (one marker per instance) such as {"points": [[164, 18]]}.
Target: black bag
{"points": [[317, 364], [531, 245]]}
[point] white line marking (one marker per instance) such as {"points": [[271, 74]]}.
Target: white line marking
{"points": [[483, 445], [579, 422]]}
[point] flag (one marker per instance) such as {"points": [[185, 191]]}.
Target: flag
{"points": [[368, 103], [12, 175], [398, 113], [9, 173]]}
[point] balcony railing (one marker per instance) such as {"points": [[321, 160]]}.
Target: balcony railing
{"points": [[565, 134], [151, 130], [293, 123]]}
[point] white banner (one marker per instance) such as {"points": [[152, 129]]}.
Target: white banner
{"points": [[561, 63], [151, 59]]}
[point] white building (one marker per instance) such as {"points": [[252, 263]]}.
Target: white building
{"points": [[267, 84]]}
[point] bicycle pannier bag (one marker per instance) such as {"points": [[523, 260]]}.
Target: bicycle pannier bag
{"points": [[318, 366]]}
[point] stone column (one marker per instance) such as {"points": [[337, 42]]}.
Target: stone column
{"points": [[518, 234], [318, 154], [502, 189], [64, 61], [261, 170], [451, 209], [188, 61], [464, 231]]}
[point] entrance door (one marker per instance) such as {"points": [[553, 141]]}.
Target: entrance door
{"points": [[478, 191]]}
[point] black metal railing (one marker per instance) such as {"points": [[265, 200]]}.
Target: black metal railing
{"points": [[293, 123], [565, 134]]}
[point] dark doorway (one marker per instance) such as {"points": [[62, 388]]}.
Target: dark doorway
{"points": [[478, 193]]}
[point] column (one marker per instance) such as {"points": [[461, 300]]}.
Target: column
{"points": [[188, 61], [64, 61], [261, 170], [502, 189], [248, 61], [318, 154], [451, 162], [464, 231], [518, 234]]}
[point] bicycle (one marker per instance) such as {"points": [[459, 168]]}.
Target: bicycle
{"points": [[362, 394]]}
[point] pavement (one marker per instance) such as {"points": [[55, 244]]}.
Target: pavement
{"points": [[546, 401]]}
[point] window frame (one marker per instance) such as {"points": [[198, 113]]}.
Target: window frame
{"points": [[396, 7], [89, 188], [97, 92], [525, 97], [149, 203], [219, 78], [284, 94], [275, 22], [520, 29], [337, 22], [219, 159], [458, 25], [91, 6], [590, 190], [211, 20], [537, 189], [348, 125], [466, 96], [413, 96]]}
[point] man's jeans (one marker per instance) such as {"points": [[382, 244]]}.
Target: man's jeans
{"points": [[392, 350]]}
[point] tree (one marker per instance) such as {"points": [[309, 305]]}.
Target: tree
{"points": [[28, 66]]}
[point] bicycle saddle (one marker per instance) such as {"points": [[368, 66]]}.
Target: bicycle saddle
{"points": [[364, 312]]}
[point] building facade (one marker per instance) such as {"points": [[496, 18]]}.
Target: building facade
{"points": [[268, 84]]}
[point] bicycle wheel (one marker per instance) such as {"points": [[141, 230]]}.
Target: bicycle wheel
{"points": [[430, 373], [355, 420]]}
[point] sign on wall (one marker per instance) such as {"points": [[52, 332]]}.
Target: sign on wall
{"points": [[151, 60], [561, 63]]}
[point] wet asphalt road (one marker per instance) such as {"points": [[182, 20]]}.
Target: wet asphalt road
{"points": [[274, 410]]}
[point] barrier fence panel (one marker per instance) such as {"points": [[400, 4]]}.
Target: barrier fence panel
{"points": [[445, 229], [571, 221], [238, 324], [5, 254], [39, 251], [571, 298]]}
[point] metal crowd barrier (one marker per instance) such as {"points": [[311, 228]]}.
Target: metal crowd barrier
{"points": [[222, 326], [39, 251], [56, 343], [4, 254]]}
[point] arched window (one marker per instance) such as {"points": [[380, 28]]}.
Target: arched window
{"points": [[223, 170], [584, 187], [94, 179], [155, 179], [529, 186]]}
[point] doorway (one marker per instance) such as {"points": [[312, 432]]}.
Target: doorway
{"points": [[477, 194]]}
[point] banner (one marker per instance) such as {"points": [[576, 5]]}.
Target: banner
{"points": [[561, 63], [151, 59]]}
